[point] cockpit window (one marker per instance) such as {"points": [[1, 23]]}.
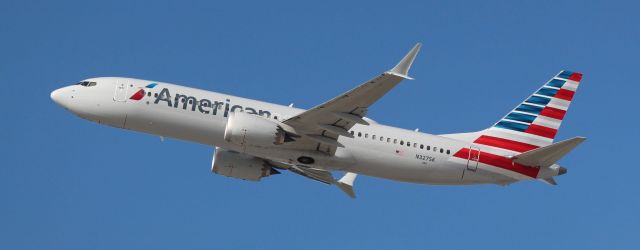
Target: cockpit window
{"points": [[87, 84]]}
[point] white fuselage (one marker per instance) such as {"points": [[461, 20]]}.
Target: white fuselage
{"points": [[375, 150]]}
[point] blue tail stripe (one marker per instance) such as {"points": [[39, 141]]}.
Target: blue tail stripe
{"points": [[512, 126], [538, 100], [529, 108], [521, 117], [547, 92], [556, 83], [565, 74]]}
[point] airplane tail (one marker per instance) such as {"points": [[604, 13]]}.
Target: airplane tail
{"points": [[534, 123]]}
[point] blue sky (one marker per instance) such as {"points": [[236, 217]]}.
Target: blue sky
{"points": [[66, 183]]}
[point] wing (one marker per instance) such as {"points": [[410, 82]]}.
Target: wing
{"points": [[321, 125], [345, 183]]}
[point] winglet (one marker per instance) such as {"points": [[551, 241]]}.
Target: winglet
{"points": [[402, 68], [346, 184]]}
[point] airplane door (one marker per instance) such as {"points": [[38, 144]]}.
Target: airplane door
{"points": [[473, 159], [121, 91]]}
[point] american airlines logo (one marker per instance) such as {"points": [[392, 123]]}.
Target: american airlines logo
{"points": [[204, 106], [140, 93]]}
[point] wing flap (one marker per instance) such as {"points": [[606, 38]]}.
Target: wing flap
{"points": [[345, 183]]}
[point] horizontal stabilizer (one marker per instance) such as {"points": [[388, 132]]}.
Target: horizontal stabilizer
{"points": [[548, 155]]}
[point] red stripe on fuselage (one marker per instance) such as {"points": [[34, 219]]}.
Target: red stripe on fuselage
{"points": [[504, 143], [501, 162], [541, 131], [564, 94], [553, 113]]}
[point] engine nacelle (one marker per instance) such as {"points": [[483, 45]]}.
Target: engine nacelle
{"points": [[252, 130], [239, 165]]}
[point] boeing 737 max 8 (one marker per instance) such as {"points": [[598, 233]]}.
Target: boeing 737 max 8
{"points": [[255, 139]]}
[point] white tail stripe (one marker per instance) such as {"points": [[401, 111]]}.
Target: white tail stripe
{"points": [[547, 122], [570, 85], [559, 104]]}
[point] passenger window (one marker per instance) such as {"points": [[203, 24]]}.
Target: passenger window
{"points": [[415, 144], [435, 149], [388, 139], [381, 139], [401, 142], [366, 135], [428, 147], [352, 132], [359, 134], [148, 93], [373, 137], [421, 146], [155, 95], [441, 150], [448, 151]]}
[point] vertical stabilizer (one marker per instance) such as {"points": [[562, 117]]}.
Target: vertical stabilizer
{"points": [[535, 122]]}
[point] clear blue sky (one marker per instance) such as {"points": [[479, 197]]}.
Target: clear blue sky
{"points": [[66, 183]]}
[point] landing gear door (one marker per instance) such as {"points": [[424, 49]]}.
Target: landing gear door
{"points": [[474, 158], [120, 94]]}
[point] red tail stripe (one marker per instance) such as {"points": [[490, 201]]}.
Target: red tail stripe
{"points": [[541, 131], [501, 162], [553, 113], [564, 94], [576, 77], [504, 143]]}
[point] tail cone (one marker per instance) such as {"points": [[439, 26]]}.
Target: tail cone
{"points": [[562, 171]]}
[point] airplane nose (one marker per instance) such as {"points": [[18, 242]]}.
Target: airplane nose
{"points": [[56, 96]]}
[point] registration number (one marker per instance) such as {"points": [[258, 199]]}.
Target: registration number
{"points": [[425, 158]]}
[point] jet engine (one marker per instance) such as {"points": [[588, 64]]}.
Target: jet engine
{"points": [[239, 165], [252, 130]]}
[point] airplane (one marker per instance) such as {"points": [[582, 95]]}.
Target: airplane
{"points": [[255, 139]]}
